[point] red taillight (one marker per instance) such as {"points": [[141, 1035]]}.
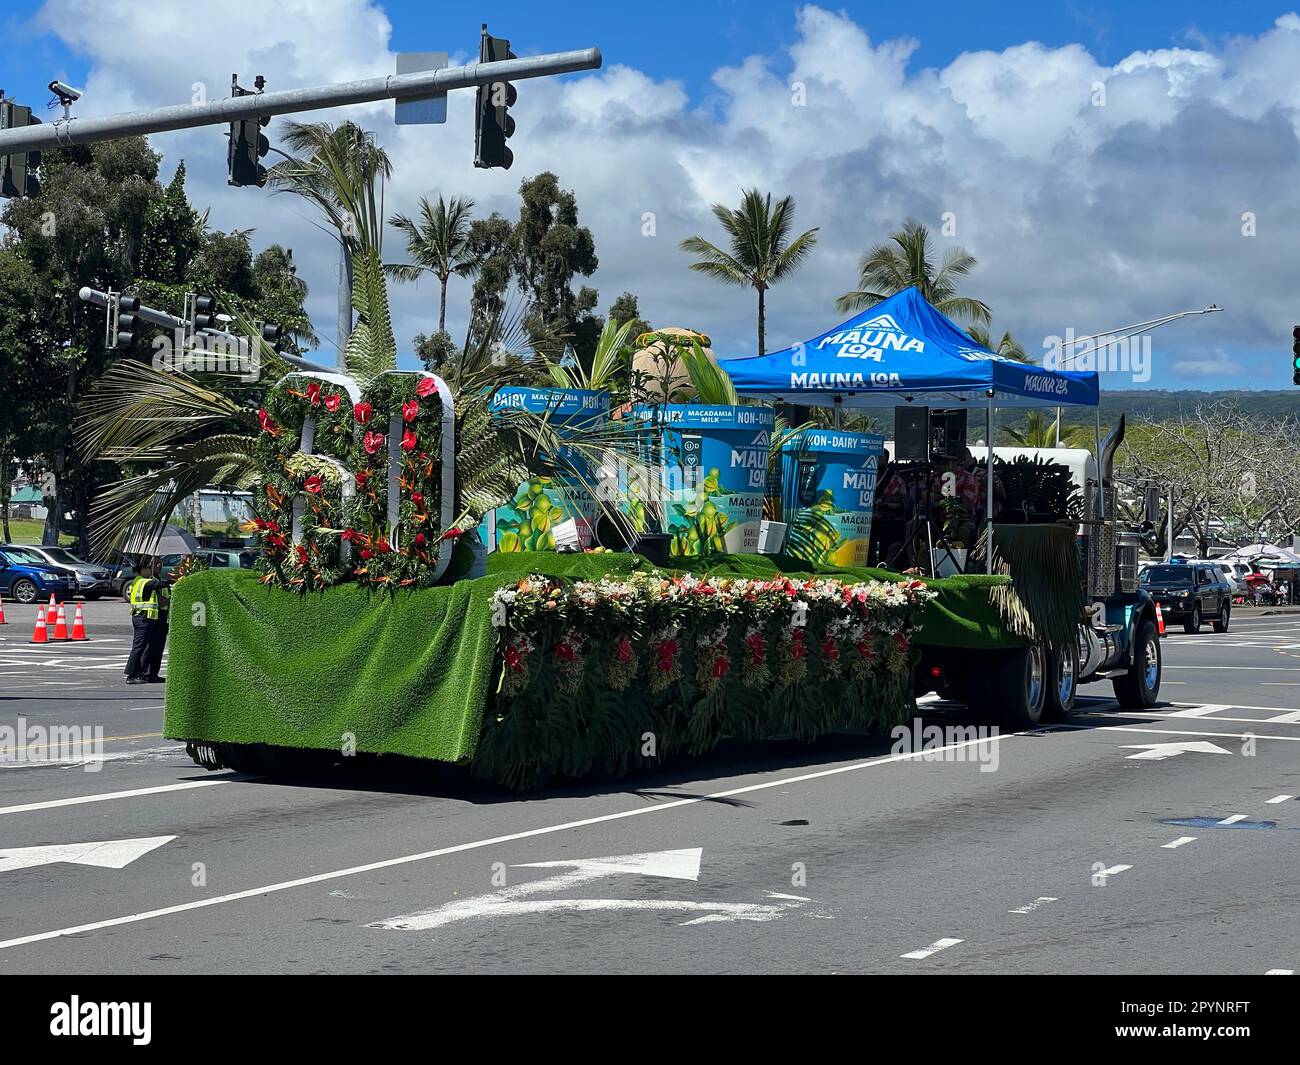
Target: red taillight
{"points": [[935, 671]]}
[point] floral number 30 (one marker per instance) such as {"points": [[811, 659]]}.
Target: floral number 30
{"points": [[355, 484]]}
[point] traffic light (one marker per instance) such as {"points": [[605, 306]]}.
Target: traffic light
{"points": [[1295, 355], [126, 327], [205, 313], [492, 122], [247, 144], [18, 171]]}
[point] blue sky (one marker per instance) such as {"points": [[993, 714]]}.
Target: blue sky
{"points": [[1081, 217]]}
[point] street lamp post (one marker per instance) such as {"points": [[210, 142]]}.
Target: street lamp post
{"points": [[1128, 332]]}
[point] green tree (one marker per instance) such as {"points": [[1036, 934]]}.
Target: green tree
{"points": [[489, 249], [761, 252], [435, 351], [1008, 347], [907, 259], [1039, 430], [281, 296], [438, 244], [625, 309], [173, 234]]}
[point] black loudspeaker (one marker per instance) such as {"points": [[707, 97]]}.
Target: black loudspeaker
{"points": [[912, 434], [948, 433]]}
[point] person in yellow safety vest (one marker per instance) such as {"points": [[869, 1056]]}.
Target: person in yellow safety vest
{"points": [[158, 629], [143, 594]]}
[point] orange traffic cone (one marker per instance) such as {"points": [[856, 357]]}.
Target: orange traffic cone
{"points": [[2, 612], [1160, 620], [50, 612], [40, 635], [60, 625], [79, 626]]}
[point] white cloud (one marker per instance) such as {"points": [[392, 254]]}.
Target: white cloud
{"points": [[1080, 215]]}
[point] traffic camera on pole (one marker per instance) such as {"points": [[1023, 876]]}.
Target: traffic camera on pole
{"points": [[492, 122], [18, 170]]}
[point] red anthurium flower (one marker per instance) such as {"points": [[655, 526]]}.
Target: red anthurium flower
{"points": [[623, 649], [348, 535], [383, 546], [408, 441], [425, 388], [332, 402], [410, 410], [513, 658], [373, 442], [264, 420], [564, 652], [362, 477], [451, 534], [419, 538], [313, 484], [417, 499], [366, 552], [302, 555], [362, 412], [313, 394], [720, 666]]}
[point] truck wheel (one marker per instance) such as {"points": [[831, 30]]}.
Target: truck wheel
{"points": [[1062, 681], [1020, 681], [1193, 622], [241, 757], [1221, 622], [1139, 687], [295, 761]]}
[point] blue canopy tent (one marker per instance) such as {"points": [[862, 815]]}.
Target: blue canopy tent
{"points": [[903, 351]]}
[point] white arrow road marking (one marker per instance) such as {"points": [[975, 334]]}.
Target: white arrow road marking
{"points": [[1174, 844], [1292, 718], [1030, 907], [110, 854], [510, 901], [933, 948], [1280, 798], [1156, 752]]}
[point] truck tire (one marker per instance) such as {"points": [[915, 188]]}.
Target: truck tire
{"points": [[1062, 681], [1225, 615], [241, 757], [295, 761], [1139, 687], [1193, 622], [1019, 683]]}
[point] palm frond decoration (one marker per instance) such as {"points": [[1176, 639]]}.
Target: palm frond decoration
{"points": [[712, 384], [1045, 597]]}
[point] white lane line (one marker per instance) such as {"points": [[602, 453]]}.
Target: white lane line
{"points": [[1252, 669], [1293, 718], [933, 948], [1173, 844], [1280, 798], [108, 796], [1114, 870], [1239, 706], [1173, 731], [1030, 907], [1200, 711], [1233, 819], [459, 848], [1280, 972]]}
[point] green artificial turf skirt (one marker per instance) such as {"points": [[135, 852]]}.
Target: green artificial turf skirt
{"points": [[419, 673]]}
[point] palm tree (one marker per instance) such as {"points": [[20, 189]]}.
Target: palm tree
{"points": [[437, 244], [1040, 431], [906, 260], [761, 253], [1008, 347]]}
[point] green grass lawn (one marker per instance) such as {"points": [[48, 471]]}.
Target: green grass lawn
{"points": [[27, 531]]}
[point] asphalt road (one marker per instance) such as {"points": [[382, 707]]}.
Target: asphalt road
{"points": [[1071, 850]]}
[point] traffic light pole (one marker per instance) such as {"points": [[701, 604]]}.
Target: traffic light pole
{"points": [[69, 131]]}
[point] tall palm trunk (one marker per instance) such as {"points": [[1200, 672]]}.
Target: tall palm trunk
{"points": [[762, 320], [442, 303]]}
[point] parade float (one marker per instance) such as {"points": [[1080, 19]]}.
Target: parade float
{"points": [[363, 633]]}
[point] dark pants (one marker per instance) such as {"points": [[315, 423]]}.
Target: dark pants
{"points": [[141, 630], [157, 641]]}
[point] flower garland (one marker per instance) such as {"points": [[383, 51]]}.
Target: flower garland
{"points": [[645, 624], [315, 561]]}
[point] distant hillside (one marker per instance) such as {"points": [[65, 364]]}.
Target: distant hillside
{"points": [[1160, 405]]}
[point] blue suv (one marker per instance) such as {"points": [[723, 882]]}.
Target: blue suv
{"points": [[26, 577]]}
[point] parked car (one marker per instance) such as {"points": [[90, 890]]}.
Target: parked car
{"points": [[230, 558], [28, 578], [1190, 592], [92, 580], [1236, 572]]}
